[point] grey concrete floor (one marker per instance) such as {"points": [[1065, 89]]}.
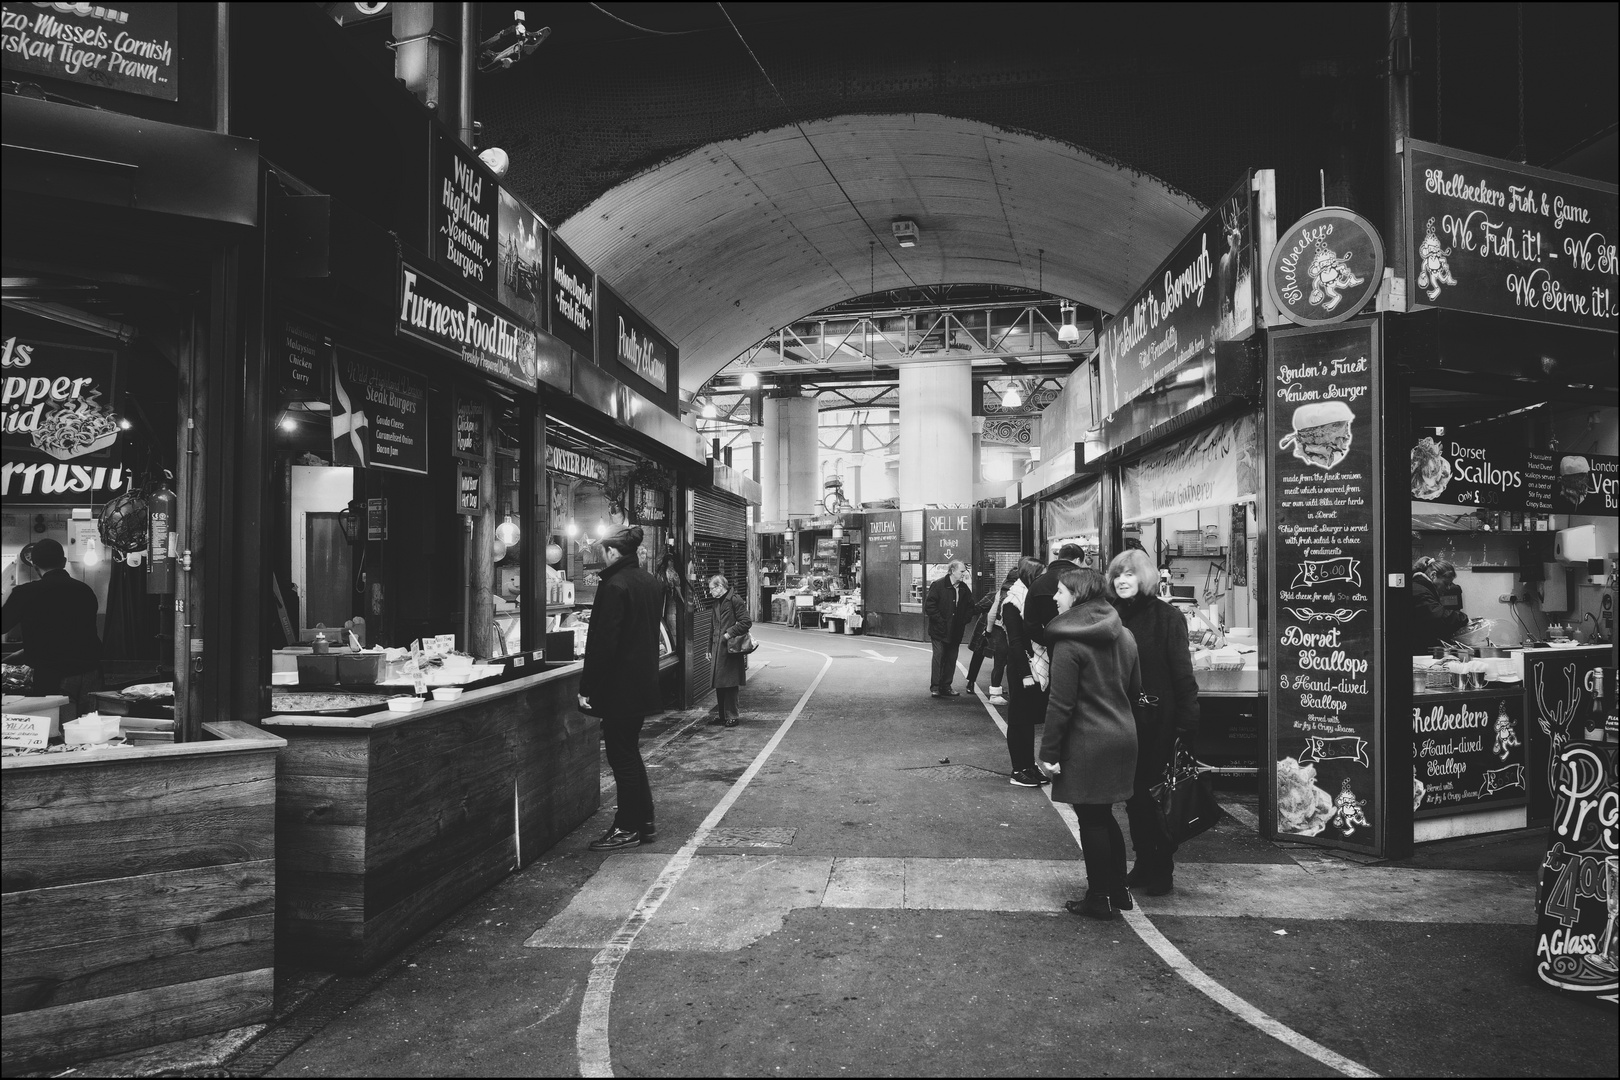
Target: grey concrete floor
{"points": [[878, 900]]}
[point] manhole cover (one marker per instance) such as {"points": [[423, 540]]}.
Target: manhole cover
{"points": [[763, 837], [952, 772]]}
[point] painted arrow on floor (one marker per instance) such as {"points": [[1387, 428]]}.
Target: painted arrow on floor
{"points": [[875, 655]]}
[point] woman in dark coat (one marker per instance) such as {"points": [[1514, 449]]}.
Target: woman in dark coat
{"points": [[1432, 622], [1161, 642], [729, 622], [1026, 679], [1089, 749]]}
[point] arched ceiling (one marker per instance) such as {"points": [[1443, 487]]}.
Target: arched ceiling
{"points": [[722, 245]]}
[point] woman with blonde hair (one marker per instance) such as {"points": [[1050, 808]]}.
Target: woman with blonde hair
{"points": [[1161, 642]]}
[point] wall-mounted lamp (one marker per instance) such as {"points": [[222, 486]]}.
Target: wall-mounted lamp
{"points": [[498, 161], [1068, 333]]}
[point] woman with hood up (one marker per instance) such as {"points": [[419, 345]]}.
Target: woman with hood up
{"points": [[1089, 749], [729, 622]]}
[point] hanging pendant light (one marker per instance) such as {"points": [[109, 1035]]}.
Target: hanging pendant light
{"points": [[1011, 398]]}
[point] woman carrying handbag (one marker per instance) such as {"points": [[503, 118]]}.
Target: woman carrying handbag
{"points": [[1027, 674], [729, 645]]}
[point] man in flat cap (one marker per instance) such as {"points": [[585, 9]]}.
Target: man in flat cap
{"points": [[620, 680]]}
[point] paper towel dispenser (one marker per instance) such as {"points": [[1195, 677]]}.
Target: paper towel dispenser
{"points": [[1576, 545]]}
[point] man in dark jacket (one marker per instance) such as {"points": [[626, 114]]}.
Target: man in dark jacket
{"points": [[620, 680], [57, 615], [949, 608], [1041, 606]]}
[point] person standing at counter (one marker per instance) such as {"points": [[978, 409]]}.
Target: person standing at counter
{"points": [[1432, 622], [1162, 649], [620, 681], [729, 670], [57, 617], [1041, 607]]}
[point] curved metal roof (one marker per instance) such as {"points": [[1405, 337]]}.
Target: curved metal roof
{"points": [[722, 245]]}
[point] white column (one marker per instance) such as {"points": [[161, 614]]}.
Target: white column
{"points": [[857, 457], [936, 434], [789, 475]]}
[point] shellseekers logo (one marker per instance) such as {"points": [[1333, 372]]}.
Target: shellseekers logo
{"points": [[1326, 268]]}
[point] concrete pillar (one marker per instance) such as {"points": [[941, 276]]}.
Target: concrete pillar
{"points": [[790, 479], [936, 434], [857, 457]]}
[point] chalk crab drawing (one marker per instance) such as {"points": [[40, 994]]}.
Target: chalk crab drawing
{"points": [[1348, 815], [1433, 269], [1506, 737], [1330, 273]]}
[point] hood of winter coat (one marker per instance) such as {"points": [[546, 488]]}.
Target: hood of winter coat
{"points": [[1093, 623]]}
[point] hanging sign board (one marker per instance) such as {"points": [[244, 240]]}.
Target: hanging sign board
{"points": [[1326, 736], [1497, 472], [1215, 468], [468, 500], [570, 298], [471, 332], [1575, 901], [470, 427], [575, 464], [133, 48], [1500, 238], [301, 360], [1326, 267], [629, 346], [522, 258], [60, 432], [648, 505], [1468, 753], [379, 415], [1203, 293], [465, 201], [949, 535]]}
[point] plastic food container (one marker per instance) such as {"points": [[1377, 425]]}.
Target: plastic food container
{"points": [[405, 704], [446, 693], [91, 728]]}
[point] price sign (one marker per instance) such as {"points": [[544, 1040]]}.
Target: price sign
{"points": [[25, 731]]}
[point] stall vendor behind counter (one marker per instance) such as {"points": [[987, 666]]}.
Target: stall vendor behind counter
{"points": [[1433, 623], [57, 617]]}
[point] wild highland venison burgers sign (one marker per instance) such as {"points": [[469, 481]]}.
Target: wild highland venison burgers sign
{"points": [[131, 47], [473, 333], [1326, 267], [1203, 293], [1323, 424], [570, 297], [465, 205], [1501, 238]]}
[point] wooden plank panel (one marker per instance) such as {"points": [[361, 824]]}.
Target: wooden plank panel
{"points": [[338, 900], [120, 907], [43, 978], [91, 1029], [325, 752], [470, 787], [119, 790], [328, 848], [320, 800], [434, 737], [456, 845], [390, 930], [38, 858]]}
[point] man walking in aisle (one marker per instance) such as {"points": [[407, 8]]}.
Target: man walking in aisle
{"points": [[949, 608]]}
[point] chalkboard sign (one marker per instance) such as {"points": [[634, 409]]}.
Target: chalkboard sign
{"points": [[1575, 930], [1323, 423], [470, 427], [949, 536], [1498, 472], [379, 415], [1468, 751], [465, 202], [468, 499], [1501, 238], [301, 361], [134, 48], [1562, 697], [570, 288]]}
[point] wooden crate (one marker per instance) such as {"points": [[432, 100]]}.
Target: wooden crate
{"points": [[138, 901], [387, 825]]}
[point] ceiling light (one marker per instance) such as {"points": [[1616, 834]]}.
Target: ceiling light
{"points": [[1068, 333], [906, 233], [289, 424], [709, 411], [1011, 398], [498, 160], [749, 380], [1190, 375]]}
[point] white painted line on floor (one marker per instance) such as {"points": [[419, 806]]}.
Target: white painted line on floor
{"points": [[591, 1038], [1242, 814]]}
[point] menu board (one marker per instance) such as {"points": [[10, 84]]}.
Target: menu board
{"points": [[470, 427], [1323, 424], [949, 536], [300, 361], [1501, 473], [1203, 293], [1575, 900], [134, 47], [1501, 238], [379, 415], [1467, 753]]}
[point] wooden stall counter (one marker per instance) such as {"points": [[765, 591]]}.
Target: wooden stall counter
{"points": [[138, 895], [388, 823]]}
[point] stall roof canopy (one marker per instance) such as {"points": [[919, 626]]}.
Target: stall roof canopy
{"points": [[725, 244]]}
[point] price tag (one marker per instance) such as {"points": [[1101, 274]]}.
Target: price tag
{"points": [[26, 731]]}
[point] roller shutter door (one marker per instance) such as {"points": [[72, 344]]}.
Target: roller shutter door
{"points": [[719, 546]]}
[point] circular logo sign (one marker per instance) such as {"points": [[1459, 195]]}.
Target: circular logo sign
{"points": [[1326, 267]]}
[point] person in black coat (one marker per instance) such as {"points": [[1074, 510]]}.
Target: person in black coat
{"points": [[1041, 607], [1161, 640], [1026, 675], [620, 680], [728, 670], [1432, 622], [949, 607], [57, 616]]}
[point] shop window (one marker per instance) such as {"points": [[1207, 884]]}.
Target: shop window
{"points": [[913, 579]]}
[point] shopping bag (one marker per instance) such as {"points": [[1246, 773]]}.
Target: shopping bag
{"points": [[744, 644], [1185, 801]]}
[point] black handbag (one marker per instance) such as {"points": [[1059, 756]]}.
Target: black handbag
{"points": [[980, 639], [1184, 801]]}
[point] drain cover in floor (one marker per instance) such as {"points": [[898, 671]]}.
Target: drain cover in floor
{"points": [[762, 837], [952, 772]]}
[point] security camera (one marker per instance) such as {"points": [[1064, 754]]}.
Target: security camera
{"points": [[503, 49]]}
